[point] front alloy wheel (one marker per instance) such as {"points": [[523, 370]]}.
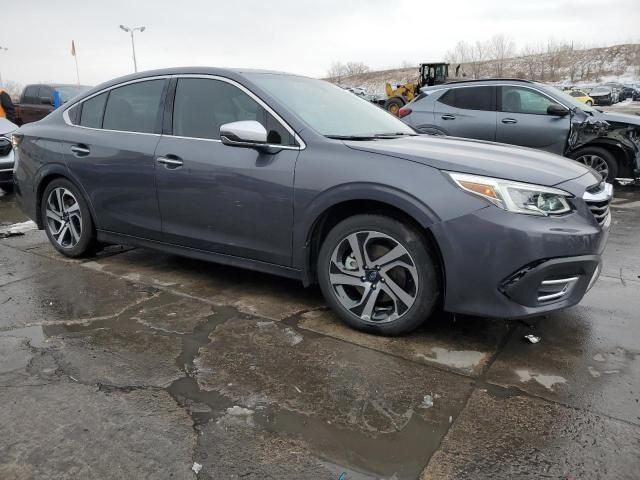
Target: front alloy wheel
{"points": [[378, 274], [373, 276], [596, 162]]}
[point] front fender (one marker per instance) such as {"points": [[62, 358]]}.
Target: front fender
{"points": [[309, 217]]}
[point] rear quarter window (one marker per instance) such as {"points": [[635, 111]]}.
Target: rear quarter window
{"points": [[93, 110]]}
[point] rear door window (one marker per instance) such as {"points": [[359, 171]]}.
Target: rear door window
{"points": [[523, 100], [93, 110], [202, 106], [470, 98], [135, 107]]}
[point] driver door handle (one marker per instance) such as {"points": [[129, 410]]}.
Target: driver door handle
{"points": [[509, 120], [448, 116]]}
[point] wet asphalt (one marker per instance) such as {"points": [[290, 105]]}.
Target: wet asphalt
{"points": [[137, 364]]}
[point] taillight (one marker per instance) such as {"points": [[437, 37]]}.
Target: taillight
{"points": [[403, 112]]}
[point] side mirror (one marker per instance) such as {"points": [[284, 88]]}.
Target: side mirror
{"points": [[46, 101], [246, 133], [557, 110]]}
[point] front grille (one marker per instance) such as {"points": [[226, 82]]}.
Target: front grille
{"points": [[600, 211], [5, 146], [597, 198]]}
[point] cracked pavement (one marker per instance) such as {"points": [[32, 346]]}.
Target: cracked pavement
{"points": [[136, 364]]}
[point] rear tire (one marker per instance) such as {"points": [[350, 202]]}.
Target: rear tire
{"points": [[67, 219], [7, 187], [390, 286], [600, 159]]}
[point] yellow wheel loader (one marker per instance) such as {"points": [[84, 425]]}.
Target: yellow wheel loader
{"points": [[428, 74]]}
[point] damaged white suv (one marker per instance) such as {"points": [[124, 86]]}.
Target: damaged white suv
{"points": [[6, 154], [530, 114]]}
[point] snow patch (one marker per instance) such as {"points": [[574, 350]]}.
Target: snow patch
{"points": [[18, 229]]}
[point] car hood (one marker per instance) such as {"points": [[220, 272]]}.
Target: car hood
{"points": [[6, 126], [599, 94], [620, 118], [478, 157]]}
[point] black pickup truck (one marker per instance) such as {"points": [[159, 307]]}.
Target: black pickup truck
{"points": [[38, 100]]}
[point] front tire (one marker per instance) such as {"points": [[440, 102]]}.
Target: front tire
{"points": [[393, 105], [589, 103], [378, 274], [600, 159], [67, 219]]}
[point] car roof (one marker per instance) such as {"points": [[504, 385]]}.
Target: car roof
{"points": [[485, 81]]}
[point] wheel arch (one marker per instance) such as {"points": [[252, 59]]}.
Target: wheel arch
{"points": [[45, 177], [623, 154], [326, 215]]}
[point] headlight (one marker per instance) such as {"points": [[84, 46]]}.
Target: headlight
{"points": [[515, 196]]}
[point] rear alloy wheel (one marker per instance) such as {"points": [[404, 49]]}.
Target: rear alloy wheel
{"points": [[601, 160], [67, 220], [378, 275]]}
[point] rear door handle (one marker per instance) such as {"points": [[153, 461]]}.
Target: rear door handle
{"points": [[509, 120], [80, 150], [170, 163], [448, 116]]}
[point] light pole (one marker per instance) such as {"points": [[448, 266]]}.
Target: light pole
{"points": [[2, 49], [133, 45]]}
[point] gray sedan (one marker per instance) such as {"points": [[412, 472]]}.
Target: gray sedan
{"points": [[294, 176], [530, 114]]}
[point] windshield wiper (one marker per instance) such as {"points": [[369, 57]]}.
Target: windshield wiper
{"points": [[395, 135], [351, 137]]}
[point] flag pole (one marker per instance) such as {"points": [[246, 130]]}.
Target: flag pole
{"points": [[73, 52], [77, 71]]}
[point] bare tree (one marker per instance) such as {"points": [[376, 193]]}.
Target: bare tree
{"points": [[336, 71], [14, 89], [531, 60], [501, 48], [477, 55], [355, 68]]}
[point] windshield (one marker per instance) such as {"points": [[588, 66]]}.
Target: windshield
{"points": [[570, 101], [67, 92], [601, 90], [328, 109]]}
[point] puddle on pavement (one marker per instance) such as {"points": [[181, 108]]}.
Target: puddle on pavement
{"points": [[547, 381], [395, 455], [361, 455], [34, 335]]}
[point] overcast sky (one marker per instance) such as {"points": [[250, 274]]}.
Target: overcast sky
{"points": [[297, 36]]}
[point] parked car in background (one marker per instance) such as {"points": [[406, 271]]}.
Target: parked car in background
{"points": [[530, 114], [581, 96], [629, 91], [38, 100], [6, 154], [602, 95], [617, 88], [296, 176]]}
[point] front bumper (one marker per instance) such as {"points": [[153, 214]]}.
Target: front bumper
{"points": [[6, 168], [504, 265]]}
